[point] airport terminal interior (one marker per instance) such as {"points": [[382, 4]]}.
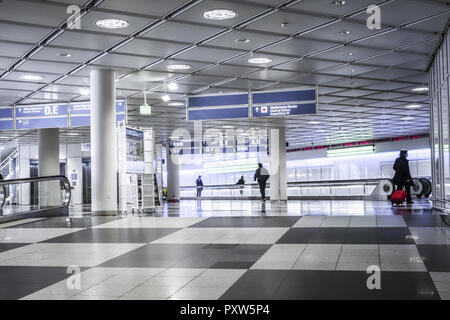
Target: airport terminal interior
{"points": [[224, 149]]}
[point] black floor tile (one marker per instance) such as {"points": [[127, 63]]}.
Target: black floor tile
{"points": [[114, 235], [190, 256], [9, 246], [154, 256], [17, 282], [256, 285], [62, 222], [342, 285], [435, 257], [247, 222], [424, 221], [348, 236], [242, 256]]}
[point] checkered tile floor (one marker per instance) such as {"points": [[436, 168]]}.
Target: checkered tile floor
{"points": [[271, 257]]}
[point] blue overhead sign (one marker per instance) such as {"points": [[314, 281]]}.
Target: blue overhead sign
{"points": [[220, 106], [283, 103], [76, 114], [39, 111], [259, 104]]}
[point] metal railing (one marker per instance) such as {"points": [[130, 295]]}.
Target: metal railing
{"points": [[64, 186]]}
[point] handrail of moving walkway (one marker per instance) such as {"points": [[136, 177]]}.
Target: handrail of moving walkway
{"points": [[66, 183]]}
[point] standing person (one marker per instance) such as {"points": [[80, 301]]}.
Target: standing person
{"points": [[262, 175], [241, 183], [199, 184], [402, 178]]}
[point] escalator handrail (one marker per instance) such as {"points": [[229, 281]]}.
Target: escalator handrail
{"points": [[66, 181]]}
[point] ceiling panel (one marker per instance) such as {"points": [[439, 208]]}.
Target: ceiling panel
{"points": [[20, 33], [293, 23], [147, 47], [38, 13], [147, 7], [183, 32]]}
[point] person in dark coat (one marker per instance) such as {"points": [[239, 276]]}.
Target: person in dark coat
{"points": [[262, 175], [241, 183], [402, 178], [199, 184]]}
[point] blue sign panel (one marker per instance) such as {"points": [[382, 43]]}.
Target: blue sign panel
{"points": [[218, 100], [80, 121], [6, 124], [228, 113], [283, 96], [284, 110], [37, 123], [80, 108], [41, 111], [283, 103], [6, 113], [120, 106]]}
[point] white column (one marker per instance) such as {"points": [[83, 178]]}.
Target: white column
{"points": [[278, 182], [49, 192], [74, 167], [24, 172], [103, 142], [173, 178]]}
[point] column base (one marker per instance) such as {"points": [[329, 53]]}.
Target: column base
{"points": [[105, 213]]}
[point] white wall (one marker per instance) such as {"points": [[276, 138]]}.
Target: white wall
{"points": [[314, 165]]}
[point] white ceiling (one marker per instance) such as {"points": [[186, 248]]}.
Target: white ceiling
{"points": [[366, 103]]}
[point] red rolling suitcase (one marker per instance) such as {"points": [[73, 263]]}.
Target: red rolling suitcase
{"points": [[398, 197]]}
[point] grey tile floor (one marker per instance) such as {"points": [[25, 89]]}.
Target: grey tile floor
{"points": [[293, 251]]}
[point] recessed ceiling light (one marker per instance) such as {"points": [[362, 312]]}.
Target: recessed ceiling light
{"points": [[314, 122], [348, 54], [344, 32], [284, 25], [354, 83], [407, 118], [350, 70], [339, 3], [176, 104], [32, 77], [172, 86], [219, 14], [413, 106], [112, 23], [64, 54], [165, 97], [260, 60], [420, 89], [84, 91], [178, 67], [243, 40]]}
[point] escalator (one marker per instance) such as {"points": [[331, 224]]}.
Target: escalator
{"points": [[56, 202]]}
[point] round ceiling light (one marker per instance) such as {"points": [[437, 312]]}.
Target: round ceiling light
{"points": [[244, 40], [64, 55], [112, 23], [172, 85], [413, 106], [339, 3], [32, 77], [260, 60], [344, 32], [420, 89], [84, 91], [178, 67], [219, 14]]}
